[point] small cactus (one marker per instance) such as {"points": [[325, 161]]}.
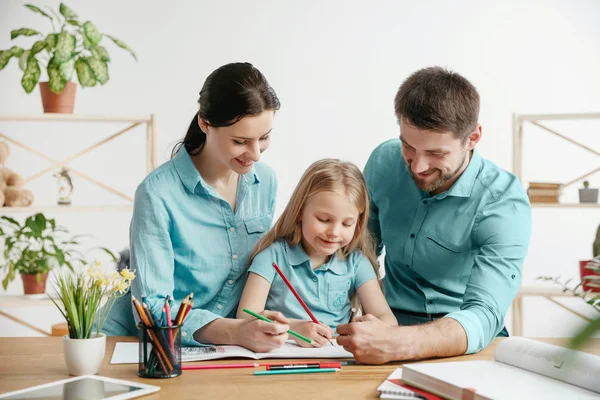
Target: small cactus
{"points": [[596, 245], [586, 184]]}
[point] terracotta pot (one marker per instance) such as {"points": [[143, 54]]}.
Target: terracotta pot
{"points": [[64, 102], [30, 284], [591, 285]]}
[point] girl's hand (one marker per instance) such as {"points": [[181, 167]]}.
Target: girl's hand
{"points": [[261, 336], [319, 334]]}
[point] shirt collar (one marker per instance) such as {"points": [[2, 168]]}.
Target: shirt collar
{"points": [[297, 256], [191, 178], [464, 185]]}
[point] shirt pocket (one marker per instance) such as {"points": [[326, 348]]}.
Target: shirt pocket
{"points": [[256, 227], [443, 259], [337, 295]]}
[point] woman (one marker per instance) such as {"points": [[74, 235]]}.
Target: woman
{"points": [[197, 217]]}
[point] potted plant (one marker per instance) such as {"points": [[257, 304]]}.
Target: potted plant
{"points": [[588, 195], [588, 269], [72, 47], [33, 248], [590, 297], [85, 298]]}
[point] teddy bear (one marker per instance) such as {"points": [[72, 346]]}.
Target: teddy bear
{"points": [[11, 194]]}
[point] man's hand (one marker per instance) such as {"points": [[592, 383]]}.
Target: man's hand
{"points": [[319, 334], [261, 336], [370, 340]]}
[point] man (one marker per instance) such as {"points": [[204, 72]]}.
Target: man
{"points": [[455, 228]]}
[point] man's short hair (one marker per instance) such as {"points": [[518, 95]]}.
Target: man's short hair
{"points": [[439, 100]]}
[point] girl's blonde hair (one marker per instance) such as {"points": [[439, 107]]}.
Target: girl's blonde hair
{"points": [[326, 175]]}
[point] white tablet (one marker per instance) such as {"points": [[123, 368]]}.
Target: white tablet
{"points": [[86, 387]]}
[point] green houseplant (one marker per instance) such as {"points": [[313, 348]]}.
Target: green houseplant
{"points": [[587, 289], [85, 298], [73, 47], [33, 248]]}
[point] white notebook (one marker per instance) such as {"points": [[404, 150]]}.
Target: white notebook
{"points": [[521, 369], [128, 352]]}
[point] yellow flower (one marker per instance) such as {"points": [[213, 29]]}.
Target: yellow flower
{"points": [[127, 274], [121, 286], [95, 273]]}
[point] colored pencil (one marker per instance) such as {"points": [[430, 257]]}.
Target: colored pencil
{"points": [[305, 366], [219, 366], [168, 320], [296, 371], [289, 285], [291, 332], [352, 313], [162, 357]]}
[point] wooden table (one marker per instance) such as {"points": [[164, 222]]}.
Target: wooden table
{"points": [[26, 362]]}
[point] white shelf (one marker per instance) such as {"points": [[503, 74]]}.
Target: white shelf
{"points": [[557, 117], [22, 301], [74, 117], [565, 205], [66, 209]]}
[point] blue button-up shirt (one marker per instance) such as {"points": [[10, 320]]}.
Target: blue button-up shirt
{"points": [[459, 252], [327, 290], [185, 238]]}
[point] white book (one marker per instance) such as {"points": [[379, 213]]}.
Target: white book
{"points": [[521, 369], [128, 352]]}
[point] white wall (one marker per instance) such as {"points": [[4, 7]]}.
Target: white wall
{"points": [[336, 66]]}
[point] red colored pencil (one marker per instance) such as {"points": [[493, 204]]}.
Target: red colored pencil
{"points": [[302, 303], [218, 366]]}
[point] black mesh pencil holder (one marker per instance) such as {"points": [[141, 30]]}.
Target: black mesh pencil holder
{"points": [[160, 351]]}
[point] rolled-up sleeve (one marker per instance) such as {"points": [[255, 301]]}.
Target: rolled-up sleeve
{"points": [[152, 257], [502, 233]]}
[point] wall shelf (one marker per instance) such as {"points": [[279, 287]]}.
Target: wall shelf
{"points": [[67, 209], [131, 121]]}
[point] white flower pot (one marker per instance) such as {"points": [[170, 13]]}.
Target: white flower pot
{"points": [[84, 356]]}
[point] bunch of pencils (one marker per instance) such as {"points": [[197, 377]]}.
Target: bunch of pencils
{"points": [[162, 334]]}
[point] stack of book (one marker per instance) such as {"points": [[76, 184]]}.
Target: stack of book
{"points": [[544, 192], [590, 276]]}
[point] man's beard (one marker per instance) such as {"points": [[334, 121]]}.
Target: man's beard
{"points": [[421, 183]]}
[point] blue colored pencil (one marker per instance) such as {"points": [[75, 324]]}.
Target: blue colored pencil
{"points": [[296, 371]]}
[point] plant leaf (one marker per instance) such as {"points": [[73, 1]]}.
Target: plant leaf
{"points": [[92, 33], [65, 46], [38, 10], [99, 68], [67, 12], [84, 73], [585, 334], [56, 81], [51, 41], [23, 60], [31, 75], [74, 22], [122, 45], [23, 32], [6, 55], [37, 47], [67, 69], [12, 221], [101, 53]]}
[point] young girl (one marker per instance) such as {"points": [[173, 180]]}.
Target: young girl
{"points": [[322, 245]]}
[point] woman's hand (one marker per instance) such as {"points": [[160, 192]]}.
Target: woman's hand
{"points": [[319, 334], [261, 336]]}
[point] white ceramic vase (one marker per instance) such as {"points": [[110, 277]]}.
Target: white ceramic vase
{"points": [[84, 356]]}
